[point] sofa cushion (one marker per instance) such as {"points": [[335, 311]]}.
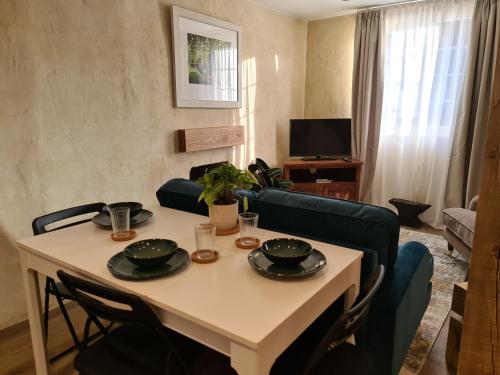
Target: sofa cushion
{"points": [[461, 222], [352, 224]]}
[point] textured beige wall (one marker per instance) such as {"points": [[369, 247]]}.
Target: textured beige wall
{"points": [[330, 49], [86, 107]]}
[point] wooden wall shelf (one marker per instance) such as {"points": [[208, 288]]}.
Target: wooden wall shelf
{"points": [[209, 138], [344, 176]]}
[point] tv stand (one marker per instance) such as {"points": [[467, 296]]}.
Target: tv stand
{"points": [[318, 157], [339, 179]]}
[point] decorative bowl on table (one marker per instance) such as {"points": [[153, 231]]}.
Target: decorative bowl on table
{"points": [[150, 253], [135, 207], [286, 251]]}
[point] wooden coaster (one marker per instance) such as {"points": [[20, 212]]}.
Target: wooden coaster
{"points": [[246, 246], [129, 236], [227, 232], [195, 257]]}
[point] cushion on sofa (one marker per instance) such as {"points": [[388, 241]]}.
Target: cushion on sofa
{"points": [[461, 222]]}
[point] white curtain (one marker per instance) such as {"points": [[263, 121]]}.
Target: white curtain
{"points": [[425, 62]]}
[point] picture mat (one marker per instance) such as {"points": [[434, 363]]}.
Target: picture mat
{"points": [[191, 91]]}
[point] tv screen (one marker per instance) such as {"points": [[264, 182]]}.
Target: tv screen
{"points": [[320, 137]]}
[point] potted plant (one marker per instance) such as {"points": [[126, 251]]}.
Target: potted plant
{"points": [[220, 185]]}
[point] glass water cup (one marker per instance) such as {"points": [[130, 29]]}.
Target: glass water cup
{"points": [[248, 225], [120, 221], [205, 240]]}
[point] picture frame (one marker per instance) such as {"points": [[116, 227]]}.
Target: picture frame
{"points": [[207, 60]]}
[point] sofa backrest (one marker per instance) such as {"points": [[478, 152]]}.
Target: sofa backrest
{"points": [[331, 220], [182, 194], [351, 224]]}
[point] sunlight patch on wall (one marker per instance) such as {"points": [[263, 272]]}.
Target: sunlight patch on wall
{"points": [[247, 114], [277, 62]]}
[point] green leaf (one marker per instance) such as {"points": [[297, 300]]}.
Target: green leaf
{"points": [[221, 182]]}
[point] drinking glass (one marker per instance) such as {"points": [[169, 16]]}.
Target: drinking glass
{"points": [[205, 240], [120, 221], [248, 224]]}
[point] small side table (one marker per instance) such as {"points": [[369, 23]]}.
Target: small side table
{"points": [[408, 211]]}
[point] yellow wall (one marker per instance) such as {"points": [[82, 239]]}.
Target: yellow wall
{"points": [[330, 46], [86, 107]]}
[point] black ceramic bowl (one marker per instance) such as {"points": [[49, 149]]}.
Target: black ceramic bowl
{"points": [[135, 207], [286, 251], [148, 253]]}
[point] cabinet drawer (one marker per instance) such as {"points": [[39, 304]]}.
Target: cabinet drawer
{"points": [[312, 188], [342, 190]]}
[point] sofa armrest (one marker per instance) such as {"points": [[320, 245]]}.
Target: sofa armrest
{"points": [[473, 203], [399, 306], [414, 261]]}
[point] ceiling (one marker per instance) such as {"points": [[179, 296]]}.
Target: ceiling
{"points": [[315, 9]]}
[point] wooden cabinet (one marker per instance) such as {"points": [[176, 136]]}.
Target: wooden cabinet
{"points": [[343, 177], [456, 323]]}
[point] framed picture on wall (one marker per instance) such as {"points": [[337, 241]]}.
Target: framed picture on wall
{"points": [[207, 62]]}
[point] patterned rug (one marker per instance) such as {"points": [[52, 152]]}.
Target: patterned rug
{"points": [[448, 269]]}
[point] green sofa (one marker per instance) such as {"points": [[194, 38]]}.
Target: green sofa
{"points": [[399, 305]]}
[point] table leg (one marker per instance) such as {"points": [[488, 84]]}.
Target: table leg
{"points": [[249, 362], [350, 297], [32, 293]]}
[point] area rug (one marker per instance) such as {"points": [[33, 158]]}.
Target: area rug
{"points": [[448, 269]]}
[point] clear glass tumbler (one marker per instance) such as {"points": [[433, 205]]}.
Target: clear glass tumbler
{"points": [[120, 221], [205, 240], [248, 225]]}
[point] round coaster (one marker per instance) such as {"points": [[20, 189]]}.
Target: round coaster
{"points": [[247, 246], [195, 257], [129, 236], [227, 232]]}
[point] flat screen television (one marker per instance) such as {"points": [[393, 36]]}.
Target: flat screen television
{"points": [[320, 138]]}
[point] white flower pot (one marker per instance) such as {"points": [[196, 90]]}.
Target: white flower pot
{"points": [[224, 216]]}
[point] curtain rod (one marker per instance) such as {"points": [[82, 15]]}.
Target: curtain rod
{"points": [[391, 5]]}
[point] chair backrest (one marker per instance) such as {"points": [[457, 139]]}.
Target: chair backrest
{"points": [[260, 175], [135, 311], [198, 171], [262, 164], [41, 222], [84, 291], [349, 322]]}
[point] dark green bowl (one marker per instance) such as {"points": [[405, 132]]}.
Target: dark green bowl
{"points": [[135, 207], [150, 253], [286, 251]]}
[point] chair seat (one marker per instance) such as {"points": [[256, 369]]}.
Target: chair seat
{"points": [[63, 292], [130, 350], [342, 360]]}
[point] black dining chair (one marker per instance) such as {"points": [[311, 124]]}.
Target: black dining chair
{"points": [[140, 344], [52, 287], [333, 355]]}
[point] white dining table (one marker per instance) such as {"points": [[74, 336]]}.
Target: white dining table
{"points": [[225, 305]]}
